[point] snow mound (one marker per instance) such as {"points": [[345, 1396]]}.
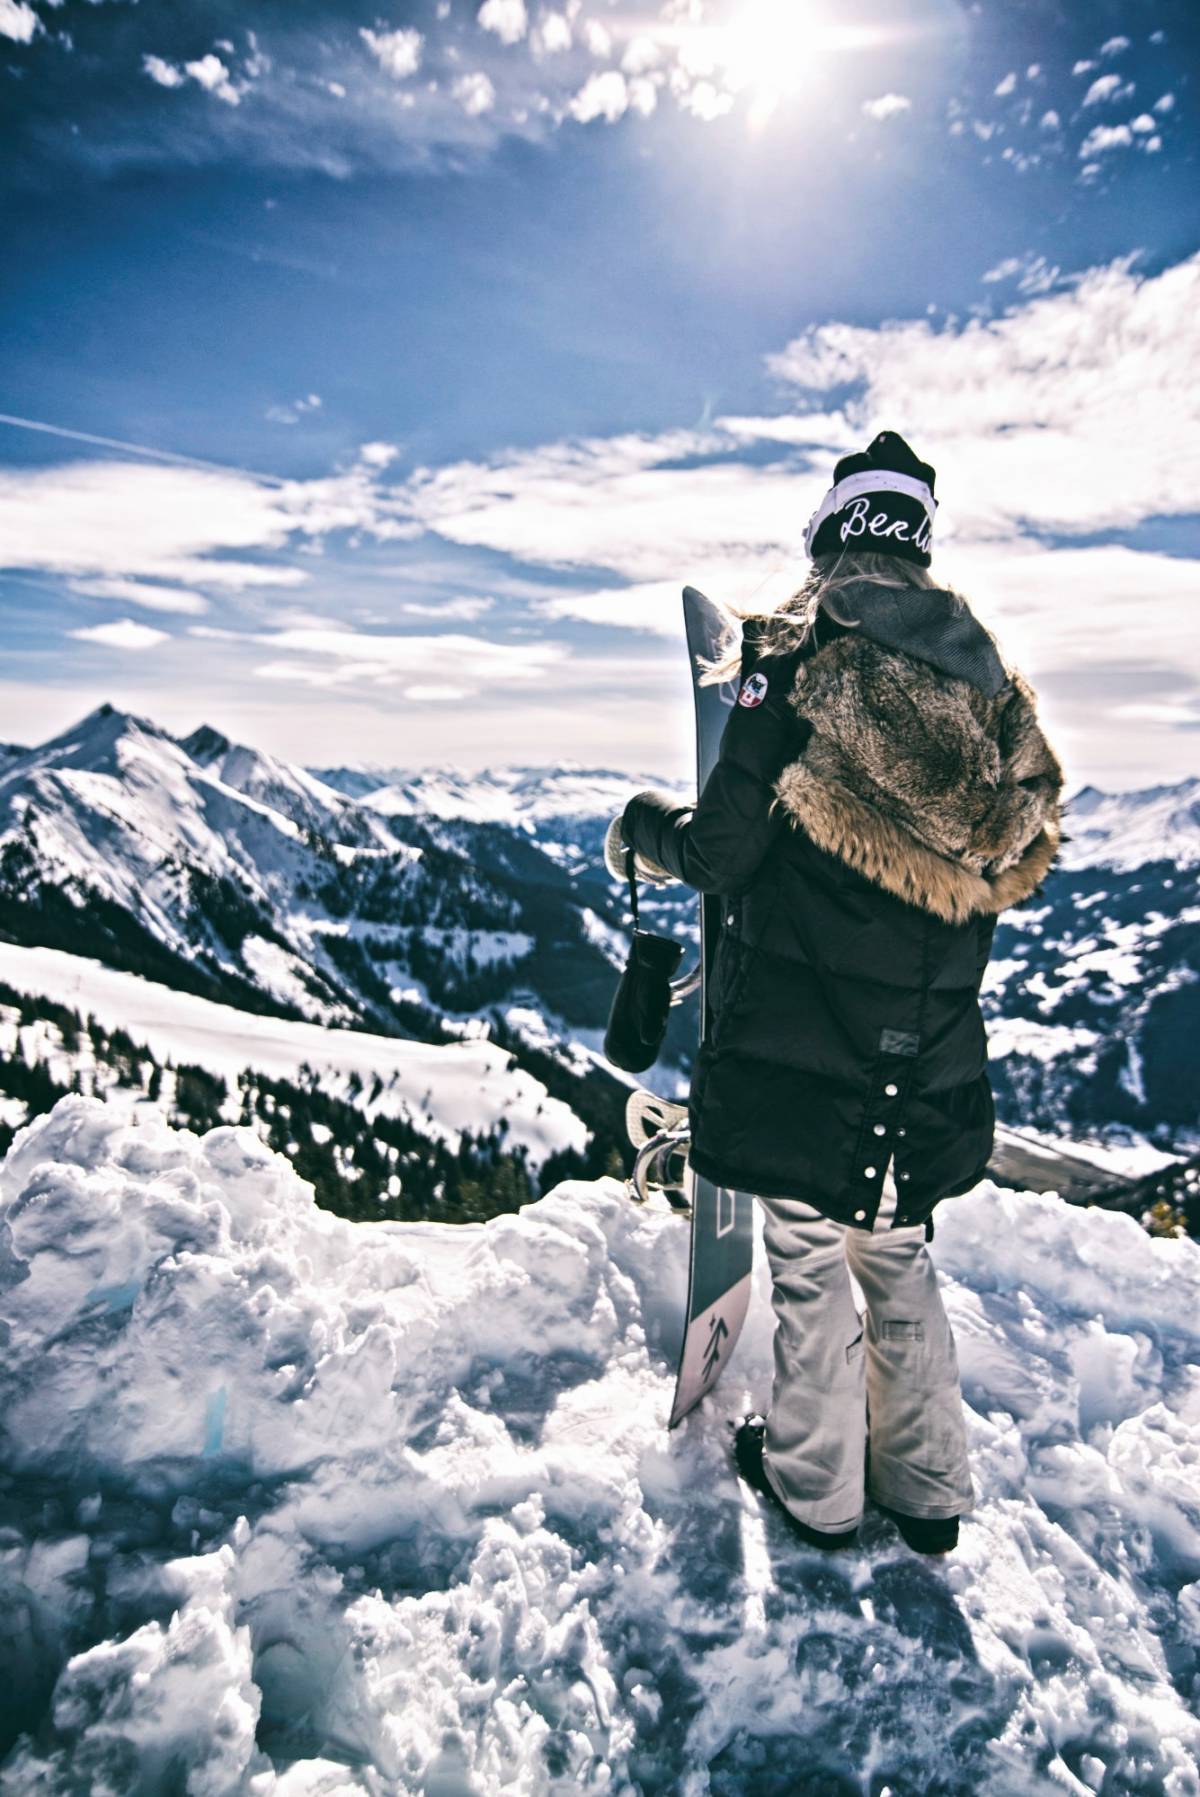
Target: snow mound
{"points": [[293, 1505]]}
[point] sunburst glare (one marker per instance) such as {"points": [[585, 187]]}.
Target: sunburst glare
{"points": [[771, 50]]}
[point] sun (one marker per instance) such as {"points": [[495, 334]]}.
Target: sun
{"points": [[770, 45], [772, 50]]}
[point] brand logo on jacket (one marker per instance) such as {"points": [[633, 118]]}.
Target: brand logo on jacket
{"points": [[861, 521], [754, 691]]}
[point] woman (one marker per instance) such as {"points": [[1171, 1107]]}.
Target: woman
{"points": [[883, 791]]}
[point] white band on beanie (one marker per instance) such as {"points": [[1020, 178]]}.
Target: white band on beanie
{"points": [[875, 480]]}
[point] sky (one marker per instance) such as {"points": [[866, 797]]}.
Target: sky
{"points": [[372, 382]]}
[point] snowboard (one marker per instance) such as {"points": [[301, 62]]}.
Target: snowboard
{"points": [[722, 1245]]}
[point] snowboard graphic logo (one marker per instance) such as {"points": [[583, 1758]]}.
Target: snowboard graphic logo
{"points": [[754, 691], [717, 1333]]}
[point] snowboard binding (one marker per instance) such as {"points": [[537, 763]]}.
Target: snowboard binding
{"points": [[660, 1133]]}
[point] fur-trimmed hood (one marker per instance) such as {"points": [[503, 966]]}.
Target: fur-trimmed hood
{"points": [[926, 769]]}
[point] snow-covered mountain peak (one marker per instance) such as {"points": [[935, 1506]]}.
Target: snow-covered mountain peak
{"points": [[96, 743], [227, 872], [205, 744], [1125, 830], [308, 802]]}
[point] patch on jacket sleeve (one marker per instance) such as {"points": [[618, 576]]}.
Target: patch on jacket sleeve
{"points": [[754, 690]]}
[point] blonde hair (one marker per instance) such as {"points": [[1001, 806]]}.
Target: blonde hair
{"points": [[791, 624]]}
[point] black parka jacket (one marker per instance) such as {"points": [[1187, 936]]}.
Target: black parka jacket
{"points": [[881, 794]]}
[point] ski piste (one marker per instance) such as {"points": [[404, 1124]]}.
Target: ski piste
{"points": [[722, 1249]]}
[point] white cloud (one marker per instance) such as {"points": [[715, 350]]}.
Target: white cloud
{"points": [[705, 101], [435, 695], [165, 73], [1036, 274], [641, 53], [1143, 123], [1083, 68], [507, 18], [1105, 88], [643, 95], [18, 22], [1042, 417], [181, 526], [463, 610], [294, 410], [1071, 608], [474, 93], [398, 53], [378, 455], [1039, 276], [1185, 710], [1165, 104], [209, 72], [332, 656], [650, 606], [1114, 46], [814, 430], [1105, 137], [1037, 425], [124, 634], [554, 33], [1007, 86], [213, 76], [139, 592], [616, 503], [1050, 121], [604, 95], [887, 106], [597, 38]]}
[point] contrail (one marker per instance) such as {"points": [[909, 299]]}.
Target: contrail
{"points": [[157, 455]]}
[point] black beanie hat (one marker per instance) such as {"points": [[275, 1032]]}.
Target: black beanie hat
{"points": [[881, 500]]}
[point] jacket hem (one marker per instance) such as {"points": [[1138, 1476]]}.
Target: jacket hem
{"points": [[767, 1183]]}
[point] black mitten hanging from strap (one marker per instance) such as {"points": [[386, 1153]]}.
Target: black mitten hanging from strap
{"points": [[637, 1022]]}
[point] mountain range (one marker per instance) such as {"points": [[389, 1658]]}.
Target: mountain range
{"points": [[431, 904]]}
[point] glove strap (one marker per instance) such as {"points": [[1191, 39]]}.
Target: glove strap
{"points": [[631, 876]]}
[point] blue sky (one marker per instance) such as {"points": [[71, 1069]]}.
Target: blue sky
{"points": [[445, 343]]}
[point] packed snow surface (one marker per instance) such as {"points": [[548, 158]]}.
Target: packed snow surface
{"points": [[294, 1505], [446, 1089]]}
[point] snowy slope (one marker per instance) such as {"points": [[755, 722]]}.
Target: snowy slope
{"points": [[117, 819], [283, 787], [445, 1089], [1127, 830], [297, 1506], [229, 873]]}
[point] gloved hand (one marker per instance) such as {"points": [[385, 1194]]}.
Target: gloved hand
{"points": [[615, 851]]}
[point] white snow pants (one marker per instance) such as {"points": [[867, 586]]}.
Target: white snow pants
{"points": [[833, 1364]]}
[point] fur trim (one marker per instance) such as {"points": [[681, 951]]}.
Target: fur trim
{"points": [[921, 782]]}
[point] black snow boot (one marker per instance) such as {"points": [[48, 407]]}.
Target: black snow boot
{"points": [[748, 1442], [925, 1534]]}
